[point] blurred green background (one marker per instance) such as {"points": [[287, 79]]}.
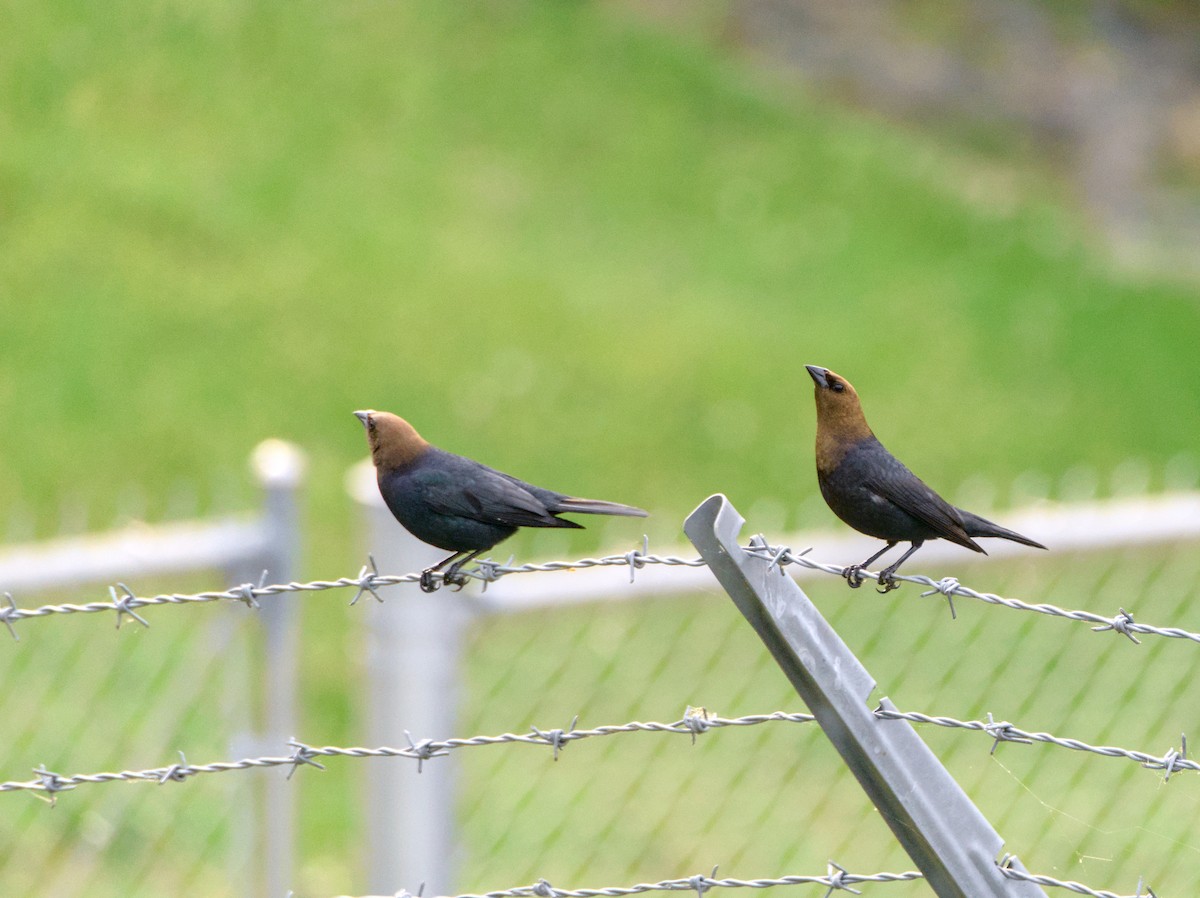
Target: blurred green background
{"points": [[589, 248]]}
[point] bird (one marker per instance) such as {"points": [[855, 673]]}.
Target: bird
{"points": [[457, 504], [872, 491]]}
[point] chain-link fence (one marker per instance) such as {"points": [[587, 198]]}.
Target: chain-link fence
{"points": [[663, 801], [78, 695], [779, 799], [111, 703]]}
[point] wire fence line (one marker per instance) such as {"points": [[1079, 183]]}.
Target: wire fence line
{"points": [[695, 721], [1069, 884], [1122, 622], [837, 878], [1173, 761], [124, 602]]}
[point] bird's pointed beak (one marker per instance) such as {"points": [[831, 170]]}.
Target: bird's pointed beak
{"points": [[363, 415], [818, 374]]}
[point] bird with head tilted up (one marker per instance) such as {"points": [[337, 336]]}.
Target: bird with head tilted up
{"points": [[458, 504], [873, 492]]}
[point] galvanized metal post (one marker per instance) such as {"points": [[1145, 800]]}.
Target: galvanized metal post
{"points": [[937, 824], [279, 469], [414, 657]]}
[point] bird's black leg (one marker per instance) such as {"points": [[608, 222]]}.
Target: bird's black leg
{"points": [[852, 574], [887, 582], [453, 577], [427, 582]]}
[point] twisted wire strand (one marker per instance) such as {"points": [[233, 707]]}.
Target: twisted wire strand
{"points": [[1003, 731], [369, 580], [694, 722], [1069, 884], [1173, 761], [837, 878], [1122, 623]]}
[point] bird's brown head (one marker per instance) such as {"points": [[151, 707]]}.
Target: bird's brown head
{"points": [[840, 418], [394, 442]]}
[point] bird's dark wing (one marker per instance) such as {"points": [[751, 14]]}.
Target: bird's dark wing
{"points": [[463, 487], [904, 489]]}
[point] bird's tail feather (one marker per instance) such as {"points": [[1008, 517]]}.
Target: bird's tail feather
{"points": [[977, 526], [598, 506]]}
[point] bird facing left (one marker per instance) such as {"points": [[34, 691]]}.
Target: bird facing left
{"points": [[457, 504]]}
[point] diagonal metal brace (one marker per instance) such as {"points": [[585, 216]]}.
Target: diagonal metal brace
{"points": [[937, 824]]}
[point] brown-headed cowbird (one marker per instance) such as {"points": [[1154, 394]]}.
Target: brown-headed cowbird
{"points": [[873, 492], [458, 504]]}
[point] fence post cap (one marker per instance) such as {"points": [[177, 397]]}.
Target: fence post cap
{"points": [[278, 463], [360, 483]]}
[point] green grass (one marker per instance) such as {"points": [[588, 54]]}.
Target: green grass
{"points": [[581, 250]]}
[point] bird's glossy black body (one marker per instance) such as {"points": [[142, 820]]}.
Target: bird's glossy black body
{"points": [[875, 493], [459, 505]]}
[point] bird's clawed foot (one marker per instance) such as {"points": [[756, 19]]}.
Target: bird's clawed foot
{"points": [[853, 575], [452, 578], [887, 582]]}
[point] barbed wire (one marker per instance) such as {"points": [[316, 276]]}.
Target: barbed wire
{"points": [[1123, 622], [836, 878], [695, 722], [1173, 761], [1068, 884], [124, 602]]}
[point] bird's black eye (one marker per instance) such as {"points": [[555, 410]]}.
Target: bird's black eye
{"points": [[837, 386]]}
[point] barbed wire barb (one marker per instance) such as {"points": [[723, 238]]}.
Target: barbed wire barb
{"points": [[1120, 624], [177, 772], [837, 880], [557, 739], [7, 613], [246, 591], [52, 783], [367, 577], [945, 587], [1002, 732], [424, 750], [302, 754], [635, 556], [121, 604], [696, 720], [1172, 761]]}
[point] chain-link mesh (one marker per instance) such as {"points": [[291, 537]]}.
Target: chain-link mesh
{"points": [[779, 798], [81, 697], [761, 801]]}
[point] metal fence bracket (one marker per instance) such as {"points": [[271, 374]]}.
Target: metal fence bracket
{"points": [[937, 824]]}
